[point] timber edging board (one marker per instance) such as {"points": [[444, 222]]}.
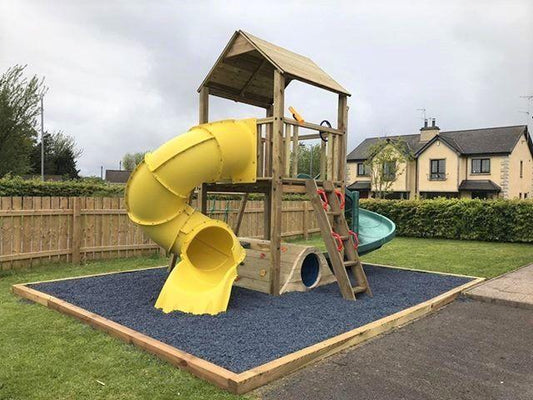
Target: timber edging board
{"points": [[243, 382]]}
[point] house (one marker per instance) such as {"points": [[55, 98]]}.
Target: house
{"points": [[117, 176], [476, 163]]}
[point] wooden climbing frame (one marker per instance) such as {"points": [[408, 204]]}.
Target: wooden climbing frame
{"points": [[255, 72]]}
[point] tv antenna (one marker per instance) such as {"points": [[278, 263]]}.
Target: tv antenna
{"points": [[423, 112], [529, 100]]}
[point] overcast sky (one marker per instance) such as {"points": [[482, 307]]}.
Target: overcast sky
{"points": [[123, 75]]}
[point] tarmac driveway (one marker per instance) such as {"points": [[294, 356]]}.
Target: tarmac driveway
{"points": [[468, 350]]}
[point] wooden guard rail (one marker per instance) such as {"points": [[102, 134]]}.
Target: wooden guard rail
{"points": [[294, 133]]}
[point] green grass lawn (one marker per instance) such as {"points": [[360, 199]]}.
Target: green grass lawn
{"points": [[483, 259], [47, 355]]}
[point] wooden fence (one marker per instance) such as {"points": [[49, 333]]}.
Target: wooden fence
{"points": [[34, 230]]}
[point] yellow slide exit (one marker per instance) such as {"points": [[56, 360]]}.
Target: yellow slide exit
{"points": [[157, 196]]}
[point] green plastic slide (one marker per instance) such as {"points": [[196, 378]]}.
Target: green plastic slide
{"points": [[373, 229]]}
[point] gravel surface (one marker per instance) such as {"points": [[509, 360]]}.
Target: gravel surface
{"points": [[257, 328]]}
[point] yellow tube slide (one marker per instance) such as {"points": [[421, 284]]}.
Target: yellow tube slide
{"points": [[157, 197]]}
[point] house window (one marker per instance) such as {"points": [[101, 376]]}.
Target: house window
{"points": [[481, 195], [389, 170], [362, 169], [481, 166], [437, 169], [521, 169]]}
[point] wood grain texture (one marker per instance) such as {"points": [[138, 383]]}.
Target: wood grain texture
{"points": [[56, 230], [197, 366], [277, 184]]}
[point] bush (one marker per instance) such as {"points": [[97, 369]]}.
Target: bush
{"points": [[93, 187], [16, 186], [488, 220]]}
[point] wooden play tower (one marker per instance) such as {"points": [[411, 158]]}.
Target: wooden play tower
{"points": [[255, 72]]}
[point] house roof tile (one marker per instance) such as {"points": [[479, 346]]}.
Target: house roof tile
{"points": [[359, 185], [499, 140], [482, 185]]}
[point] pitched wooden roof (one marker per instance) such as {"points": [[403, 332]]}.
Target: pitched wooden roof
{"points": [[244, 71]]}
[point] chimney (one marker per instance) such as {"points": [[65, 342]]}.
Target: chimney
{"points": [[429, 132]]}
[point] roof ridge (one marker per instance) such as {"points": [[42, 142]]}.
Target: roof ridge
{"points": [[455, 143], [400, 135], [441, 132], [482, 129]]}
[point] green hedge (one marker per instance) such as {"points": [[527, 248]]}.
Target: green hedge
{"points": [[80, 188], [489, 220], [92, 187]]}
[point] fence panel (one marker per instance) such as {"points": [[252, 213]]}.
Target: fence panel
{"points": [[35, 230]]}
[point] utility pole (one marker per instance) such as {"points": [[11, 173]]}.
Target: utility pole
{"points": [[42, 139]]}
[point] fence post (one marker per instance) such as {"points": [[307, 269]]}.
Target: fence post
{"points": [[305, 219], [76, 231]]}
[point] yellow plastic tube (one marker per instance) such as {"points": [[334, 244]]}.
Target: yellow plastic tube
{"points": [[157, 195]]}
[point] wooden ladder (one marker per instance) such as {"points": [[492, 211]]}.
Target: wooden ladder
{"points": [[341, 245]]}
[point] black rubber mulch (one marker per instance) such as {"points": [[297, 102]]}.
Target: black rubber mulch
{"points": [[257, 328]]}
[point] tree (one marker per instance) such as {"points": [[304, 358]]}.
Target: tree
{"points": [[60, 155], [131, 160], [305, 155], [387, 159], [19, 109]]}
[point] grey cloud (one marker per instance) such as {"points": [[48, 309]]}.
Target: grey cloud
{"points": [[123, 75]]}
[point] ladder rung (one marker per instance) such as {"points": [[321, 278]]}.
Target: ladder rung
{"points": [[334, 212], [359, 289], [330, 227], [350, 263]]}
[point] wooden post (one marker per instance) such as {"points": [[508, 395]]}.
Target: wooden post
{"points": [[334, 156], [305, 220], [268, 173], [240, 215], [267, 207], [268, 144], [323, 158], [276, 190], [287, 151], [295, 149], [329, 158], [203, 117], [76, 230], [260, 151], [342, 125]]}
